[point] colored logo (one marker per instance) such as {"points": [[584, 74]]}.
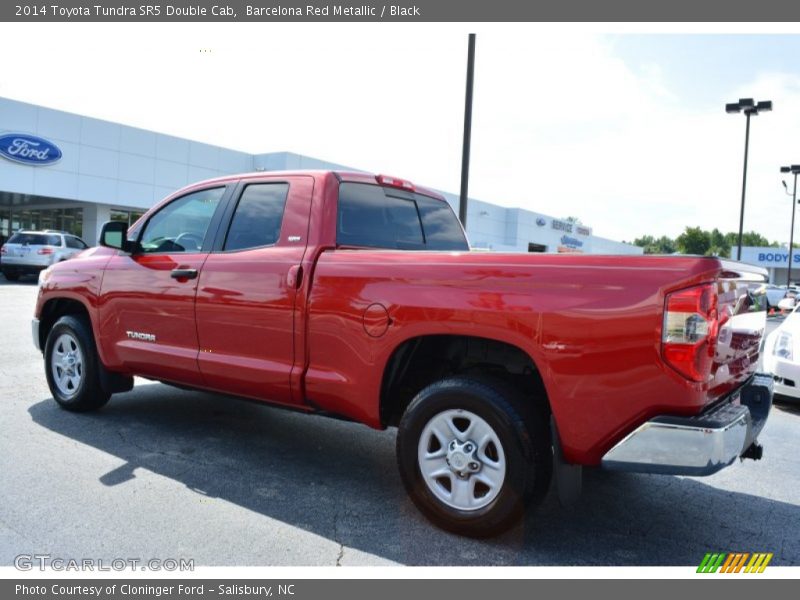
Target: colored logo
{"points": [[571, 242], [735, 562], [541, 222], [28, 149]]}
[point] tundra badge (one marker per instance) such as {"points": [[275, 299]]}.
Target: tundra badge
{"points": [[137, 335]]}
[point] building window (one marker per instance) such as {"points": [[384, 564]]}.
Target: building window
{"points": [[126, 216], [69, 220]]}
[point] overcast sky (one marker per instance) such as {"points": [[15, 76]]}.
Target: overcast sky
{"points": [[626, 132]]}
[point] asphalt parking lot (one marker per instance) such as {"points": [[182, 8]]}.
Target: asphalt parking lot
{"points": [[164, 473]]}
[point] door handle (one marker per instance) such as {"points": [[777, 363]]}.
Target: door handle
{"points": [[294, 278], [183, 273]]}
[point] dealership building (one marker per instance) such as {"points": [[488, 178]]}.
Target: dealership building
{"points": [[70, 172], [774, 260]]}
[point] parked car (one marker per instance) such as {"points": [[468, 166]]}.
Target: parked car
{"points": [[28, 252], [354, 295], [774, 295], [782, 356]]}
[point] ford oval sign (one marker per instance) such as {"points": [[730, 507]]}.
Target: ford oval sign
{"points": [[28, 149]]}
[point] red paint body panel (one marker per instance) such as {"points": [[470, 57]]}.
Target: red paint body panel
{"points": [[78, 279], [246, 308], [139, 295], [303, 323], [591, 324]]}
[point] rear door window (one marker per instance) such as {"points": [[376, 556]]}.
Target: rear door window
{"points": [[258, 216], [73, 242]]}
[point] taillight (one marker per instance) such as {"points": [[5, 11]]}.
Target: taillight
{"points": [[44, 251], [394, 182], [689, 335], [3, 250]]}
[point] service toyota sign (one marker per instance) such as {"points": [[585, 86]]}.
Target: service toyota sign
{"points": [[28, 149]]}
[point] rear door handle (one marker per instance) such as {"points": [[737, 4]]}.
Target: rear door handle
{"points": [[183, 273]]}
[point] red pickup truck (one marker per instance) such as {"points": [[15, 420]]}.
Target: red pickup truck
{"points": [[356, 296]]}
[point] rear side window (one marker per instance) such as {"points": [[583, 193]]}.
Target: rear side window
{"points": [[73, 242], [35, 239], [442, 229], [379, 217], [258, 217]]}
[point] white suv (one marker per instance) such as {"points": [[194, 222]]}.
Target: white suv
{"points": [[28, 252]]}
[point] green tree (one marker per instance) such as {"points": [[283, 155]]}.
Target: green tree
{"points": [[646, 242], [666, 245], [749, 238], [694, 240], [720, 246], [651, 245]]}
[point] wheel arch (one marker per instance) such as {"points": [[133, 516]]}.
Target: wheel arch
{"points": [[421, 360], [55, 308]]}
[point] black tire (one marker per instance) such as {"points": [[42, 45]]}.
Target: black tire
{"points": [[72, 333], [11, 275], [522, 432]]}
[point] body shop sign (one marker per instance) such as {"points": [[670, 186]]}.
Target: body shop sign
{"points": [[28, 149], [763, 256]]}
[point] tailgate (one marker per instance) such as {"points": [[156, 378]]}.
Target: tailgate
{"points": [[742, 320]]}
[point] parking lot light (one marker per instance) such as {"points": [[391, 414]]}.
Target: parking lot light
{"points": [[794, 170], [750, 107]]}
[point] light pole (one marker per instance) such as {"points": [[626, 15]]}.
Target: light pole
{"points": [[750, 108], [462, 205], [794, 170]]}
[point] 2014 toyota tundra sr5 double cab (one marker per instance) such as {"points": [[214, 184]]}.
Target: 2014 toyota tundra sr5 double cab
{"points": [[357, 296]]}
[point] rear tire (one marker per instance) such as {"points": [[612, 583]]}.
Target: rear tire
{"points": [[473, 454], [72, 365], [11, 275]]}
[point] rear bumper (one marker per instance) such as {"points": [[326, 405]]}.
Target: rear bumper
{"points": [[787, 388], [22, 269], [786, 376], [699, 445]]}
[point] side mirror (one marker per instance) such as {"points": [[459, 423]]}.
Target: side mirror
{"points": [[114, 234]]}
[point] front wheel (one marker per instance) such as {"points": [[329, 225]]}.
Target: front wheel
{"points": [[472, 455], [72, 365]]}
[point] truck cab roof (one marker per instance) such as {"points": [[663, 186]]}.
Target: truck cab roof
{"points": [[342, 176]]}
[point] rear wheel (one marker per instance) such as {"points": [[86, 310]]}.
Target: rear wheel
{"points": [[72, 365], [10, 275], [472, 455]]}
